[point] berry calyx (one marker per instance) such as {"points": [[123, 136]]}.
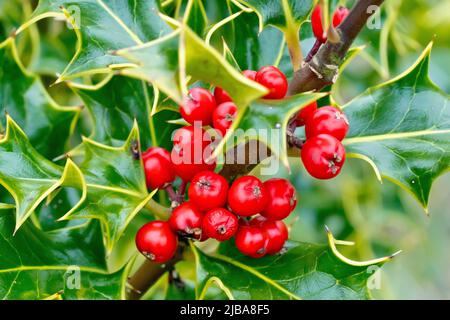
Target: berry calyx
{"points": [[187, 220], [220, 224], [156, 241], [221, 96], [247, 196], [273, 79], [158, 167], [250, 74], [305, 113], [208, 190], [191, 152], [282, 199], [251, 241], [198, 106], [327, 120], [223, 117], [339, 15], [276, 232], [323, 156]]}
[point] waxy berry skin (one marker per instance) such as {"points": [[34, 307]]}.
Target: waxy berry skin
{"points": [[247, 196], [282, 199], [158, 167], [187, 220], [191, 152], [323, 156], [273, 79], [317, 23], [208, 190], [156, 241], [250, 74], [305, 113], [224, 116], [339, 15], [220, 224], [251, 241], [198, 106], [221, 96], [276, 232], [327, 120]]}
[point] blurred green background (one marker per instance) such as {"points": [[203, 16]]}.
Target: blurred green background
{"points": [[380, 218]]}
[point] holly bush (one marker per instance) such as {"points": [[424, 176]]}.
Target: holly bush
{"points": [[86, 87]]}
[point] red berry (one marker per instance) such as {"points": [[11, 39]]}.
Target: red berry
{"points": [[339, 15], [158, 167], [247, 196], [221, 96], [156, 241], [208, 190], [250, 74], [220, 224], [327, 120], [276, 232], [323, 156], [191, 152], [317, 25], [251, 241], [282, 199], [198, 106], [273, 79], [187, 220], [305, 113], [223, 117]]}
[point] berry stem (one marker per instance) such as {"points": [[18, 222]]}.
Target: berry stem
{"points": [[182, 190], [173, 196], [313, 51]]}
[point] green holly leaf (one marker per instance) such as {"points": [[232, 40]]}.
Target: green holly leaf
{"points": [[113, 184], [304, 271], [67, 264], [103, 26], [267, 121], [402, 129], [167, 61], [23, 96], [27, 175]]}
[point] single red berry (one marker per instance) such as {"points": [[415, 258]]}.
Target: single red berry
{"points": [[327, 120], [158, 167], [276, 232], [323, 156], [282, 199], [156, 241], [247, 196], [251, 241], [223, 117], [198, 106], [191, 152], [250, 74], [305, 113], [317, 25], [220, 224], [187, 220], [221, 96], [273, 79], [208, 190], [339, 15]]}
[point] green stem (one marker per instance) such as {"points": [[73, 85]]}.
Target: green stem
{"points": [[158, 210]]}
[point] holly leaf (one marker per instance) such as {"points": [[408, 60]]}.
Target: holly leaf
{"points": [[67, 264], [303, 271], [167, 61], [402, 129], [23, 96], [113, 184], [267, 121], [103, 26], [27, 175]]}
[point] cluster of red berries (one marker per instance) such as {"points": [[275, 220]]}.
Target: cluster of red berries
{"points": [[317, 24], [216, 210], [323, 154], [219, 110]]}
